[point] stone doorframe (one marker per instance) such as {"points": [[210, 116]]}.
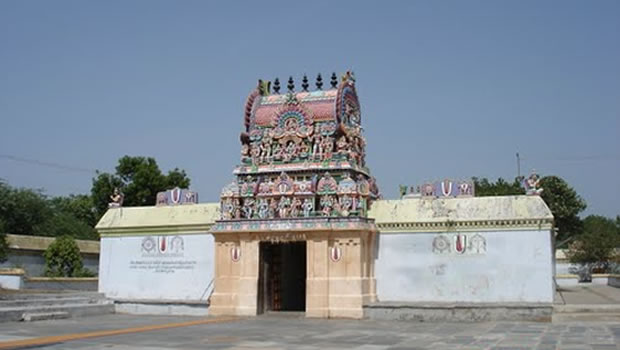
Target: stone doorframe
{"points": [[340, 259]]}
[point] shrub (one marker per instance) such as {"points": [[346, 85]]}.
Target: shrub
{"points": [[63, 259]]}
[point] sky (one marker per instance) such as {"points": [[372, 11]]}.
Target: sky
{"points": [[448, 89]]}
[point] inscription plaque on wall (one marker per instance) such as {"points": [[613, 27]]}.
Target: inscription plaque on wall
{"points": [[162, 254]]}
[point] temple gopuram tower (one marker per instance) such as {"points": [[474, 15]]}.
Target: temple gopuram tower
{"points": [[294, 233]]}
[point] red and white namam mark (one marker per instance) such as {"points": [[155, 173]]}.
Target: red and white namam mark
{"points": [[335, 253], [460, 243], [446, 188], [175, 195], [162, 246], [235, 253]]}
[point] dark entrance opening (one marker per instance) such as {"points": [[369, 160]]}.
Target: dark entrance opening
{"points": [[282, 277]]}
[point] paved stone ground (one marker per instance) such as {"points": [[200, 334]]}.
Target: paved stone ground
{"points": [[281, 332], [588, 294]]}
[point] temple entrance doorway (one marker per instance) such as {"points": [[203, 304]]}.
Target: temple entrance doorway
{"points": [[282, 277]]}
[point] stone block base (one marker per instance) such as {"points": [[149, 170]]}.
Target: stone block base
{"points": [[458, 312], [138, 307]]}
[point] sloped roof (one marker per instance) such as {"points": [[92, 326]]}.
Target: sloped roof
{"points": [[190, 218], [321, 105], [434, 214], [402, 215]]}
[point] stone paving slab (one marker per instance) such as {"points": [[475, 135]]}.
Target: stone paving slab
{"points": [[588, 294], [301, 334]]}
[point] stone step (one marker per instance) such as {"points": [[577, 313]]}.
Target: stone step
{"points": [[41, 316], [586, 317], [8, 314], [48, 295], [48, 301], [586, 308]]}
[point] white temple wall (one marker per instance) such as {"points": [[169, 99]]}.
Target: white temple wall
{"points": [[516, 266], [131, 268]]}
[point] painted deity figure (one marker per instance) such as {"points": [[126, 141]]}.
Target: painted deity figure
{"points": [[227, 209], [273, 208], [342, 146], [290, 151], [116, 198], [248, 208], [337, 208], [307, 207], [255, 153], [532, 184], [263, 208], [237, 208], [276, 154], [295, 206], [245, 152], [327, 146], [303, 150], [346, 205], [265, 151], [316, 141], [249, 186], [283, 207], [291, 125], [327, 205]]}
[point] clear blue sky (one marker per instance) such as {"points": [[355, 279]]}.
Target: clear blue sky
{"points": [[448, 88]]}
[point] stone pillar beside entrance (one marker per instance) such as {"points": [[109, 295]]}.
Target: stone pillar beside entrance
{"points": [[236, 275], [339, 269]]}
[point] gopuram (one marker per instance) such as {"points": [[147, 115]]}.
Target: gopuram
{"points": [[302, 228], [294, 232]]}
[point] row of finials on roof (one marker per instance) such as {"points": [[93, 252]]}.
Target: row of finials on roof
{"points": [[264, 86]]}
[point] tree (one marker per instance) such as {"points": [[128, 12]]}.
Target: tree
{"points": [[484, 187], [139, 178], [79, 206], [30, 212], [4, 245], [71, 216], [23, 211], [595, 247], [63, 259], [565, 204]]}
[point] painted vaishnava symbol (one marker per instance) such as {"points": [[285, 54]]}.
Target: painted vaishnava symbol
{"points": [[335, 253], [176, 196], [459, 244], [148, 245], [163, 245], [441, 244], [477, 244], [440, 189], [235, 253], [303, 155]]}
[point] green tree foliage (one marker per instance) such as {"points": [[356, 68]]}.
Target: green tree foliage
{"points": [[565, 204], [501, 187], [4, 245], [596, 245], [30, 212], [139, 178], [63, 259], [23, 211], [71, 216], [79, 206]]}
